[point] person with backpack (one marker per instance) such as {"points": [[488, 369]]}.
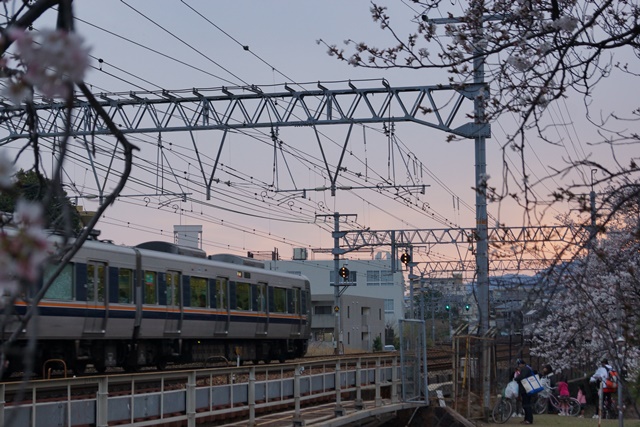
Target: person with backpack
{"points": [[606, 382]]}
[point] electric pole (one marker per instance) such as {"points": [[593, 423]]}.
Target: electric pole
{"points": [[337, 274]]}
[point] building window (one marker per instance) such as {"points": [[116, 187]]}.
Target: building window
{"points": [[388, 306], [322, 309], [373, 278], [379, 278], [386, 278]]}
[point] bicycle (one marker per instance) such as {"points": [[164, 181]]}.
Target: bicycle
{"points": [[503, 409], [546, 396]]}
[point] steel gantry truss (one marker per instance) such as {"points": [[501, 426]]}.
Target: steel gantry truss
{"points": [[235, 109], [244, 107], [354, 240]]}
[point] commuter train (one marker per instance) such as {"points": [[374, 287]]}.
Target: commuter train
{"points": [[159, 303]]}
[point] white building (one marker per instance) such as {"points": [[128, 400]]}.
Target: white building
{"points": [[371, 278], [363, 320]]}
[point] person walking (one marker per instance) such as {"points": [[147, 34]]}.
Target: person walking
{"points": [[525, 372]]}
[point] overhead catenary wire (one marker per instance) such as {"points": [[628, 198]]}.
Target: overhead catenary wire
{"points": [[185, 43], [149, 169]]}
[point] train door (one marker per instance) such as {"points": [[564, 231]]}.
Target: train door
{"points": [[293, 302], [173, 322], [221, 325], [95, 322], [260, 306]]}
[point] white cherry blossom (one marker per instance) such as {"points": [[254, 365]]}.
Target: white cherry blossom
{"points": [[53, 59]]}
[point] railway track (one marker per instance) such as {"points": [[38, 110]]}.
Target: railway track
{"points": [[128, 385], [439, 362]]}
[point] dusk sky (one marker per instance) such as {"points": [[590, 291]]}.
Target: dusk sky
{"points": [[150, 45]]}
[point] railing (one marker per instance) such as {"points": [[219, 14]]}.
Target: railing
{"points": [[193, 396]]}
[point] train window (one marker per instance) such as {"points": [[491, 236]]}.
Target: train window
{"points": [[243, 296], [221, 292], [96, 281], [173, 288], [62, 286], [198, 291], [150, 287], [125, 284], [280, 300]]}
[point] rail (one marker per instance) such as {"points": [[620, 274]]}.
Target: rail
{"points": [[195, 396]]}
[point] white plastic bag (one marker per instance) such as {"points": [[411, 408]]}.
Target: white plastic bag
{"points": [[511, 391]]}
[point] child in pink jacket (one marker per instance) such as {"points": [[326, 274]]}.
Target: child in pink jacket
{"points": [[563, 396]]}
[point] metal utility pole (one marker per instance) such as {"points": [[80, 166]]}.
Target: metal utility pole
{"points": [[482, 244], [337, 330], [412, 281], [337, 252], [481, 125]]}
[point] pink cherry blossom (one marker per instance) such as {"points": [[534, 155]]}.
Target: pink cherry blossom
{"points": [[53, 59]]}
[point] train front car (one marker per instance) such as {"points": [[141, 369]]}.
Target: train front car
{"points": [[159, 303]]}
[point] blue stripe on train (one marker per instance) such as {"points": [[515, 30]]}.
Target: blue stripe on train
{"points": [[120, 314]]}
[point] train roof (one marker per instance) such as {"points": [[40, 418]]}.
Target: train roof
{"points": [[172, 248], [236, 259]]}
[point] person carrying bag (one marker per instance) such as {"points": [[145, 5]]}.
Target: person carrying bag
{"points": [[525, 373]]}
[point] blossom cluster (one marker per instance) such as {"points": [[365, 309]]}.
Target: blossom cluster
{"points": [[53, 61], [593, 312], [23, 245]]}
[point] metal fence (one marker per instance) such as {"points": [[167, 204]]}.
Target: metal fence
{"points": [[413, 360], [189, 396]]}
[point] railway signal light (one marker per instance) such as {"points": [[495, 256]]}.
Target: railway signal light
{"points": [[344, 272], [467, 307], [405, 258], [447, 307]]}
